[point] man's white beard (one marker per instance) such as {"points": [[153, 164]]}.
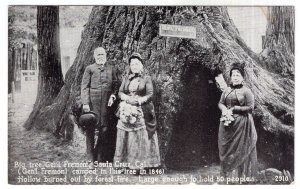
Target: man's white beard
{"points": [[100, 62]]}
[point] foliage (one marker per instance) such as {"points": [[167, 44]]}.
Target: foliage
{"points": [[22, 22], [74, 16], [21, 26]]}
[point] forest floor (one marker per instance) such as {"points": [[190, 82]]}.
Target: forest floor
{"points": [[33, 152]]}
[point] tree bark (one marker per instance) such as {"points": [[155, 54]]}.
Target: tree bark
{"points": [[279, 46], [124, 29], [50, 79], [11, 67], [17, 69]]}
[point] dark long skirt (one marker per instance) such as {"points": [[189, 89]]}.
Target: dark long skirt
{"points": [[237, 147]]}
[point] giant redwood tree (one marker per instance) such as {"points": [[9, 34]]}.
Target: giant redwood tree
{"points": [[279, 44], [183, 71], [50, 75]]}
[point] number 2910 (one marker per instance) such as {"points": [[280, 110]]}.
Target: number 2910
{"points": [[281, 178]]}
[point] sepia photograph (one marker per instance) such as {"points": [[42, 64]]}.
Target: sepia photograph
{"points": [[151, 95]]}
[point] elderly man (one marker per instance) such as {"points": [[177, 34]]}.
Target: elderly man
{"points": [[98, 91]]}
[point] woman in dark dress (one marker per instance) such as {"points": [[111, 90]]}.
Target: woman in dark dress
{"points": [[137, 141], [237, 135]]}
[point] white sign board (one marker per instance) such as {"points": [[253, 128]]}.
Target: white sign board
{"points": [[29, 83], [177, 31]]}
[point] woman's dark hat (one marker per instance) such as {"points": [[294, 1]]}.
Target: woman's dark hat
{"points": [[88, 119], [239, 67], [136, 55]]}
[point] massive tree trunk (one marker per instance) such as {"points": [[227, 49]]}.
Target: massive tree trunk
{"points": [[279, 45], [50, 75], [178, 66]]}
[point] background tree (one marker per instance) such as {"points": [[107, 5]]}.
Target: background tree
{"points": [[279, 45], [21, 39], [50, 75], [183, 71]]}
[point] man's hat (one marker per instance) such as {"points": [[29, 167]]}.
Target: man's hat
{"points": [[88, 119]]}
